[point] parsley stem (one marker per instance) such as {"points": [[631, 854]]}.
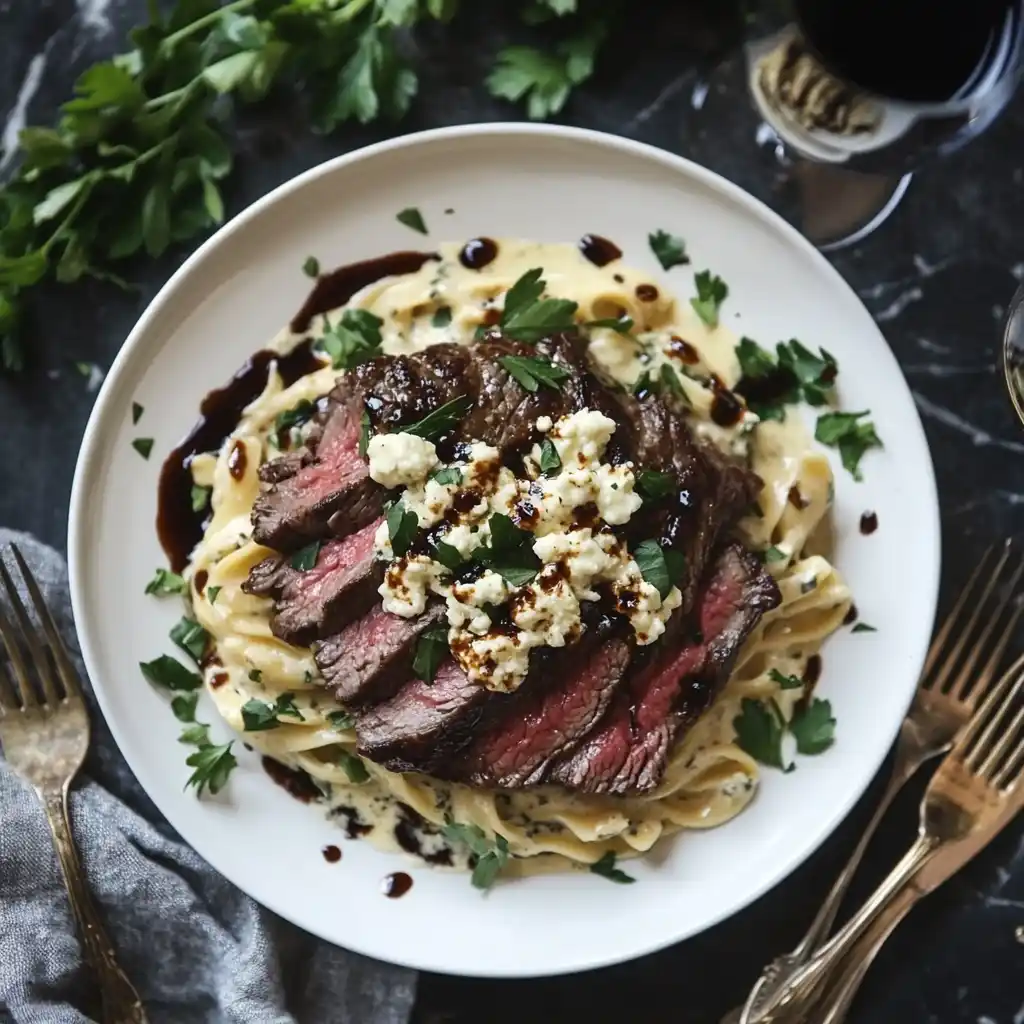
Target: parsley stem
{"points": [[169, 42]]}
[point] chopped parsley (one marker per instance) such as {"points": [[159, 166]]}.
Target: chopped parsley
{"points": [[786, 682], [305, 558], [668, 380], [759, 731], [340, 720], [754, 361], [532, 372], [442, 420], [605, 867], [508, 552], [655, 485], [298, 414], [183, 705], [670, 250], [550, 462], [352, 340], [431, 651], [213, 765], [353, 767], [774, 554], [620, 324], [311, 267], [863, 627], [841, 430], [258, 715], [165, 582], [815, 374], [659, 566], [143, 445], [797, 374], [197, 735], [448, 555], [412, 218], [402, 527], [137, 411], [211, 594], [365, 430], [170, 673], [200, 497], [190, 637], [528, 317], [447, 475], [814, 728], [491, 854], [442, 317], [711, 293]]}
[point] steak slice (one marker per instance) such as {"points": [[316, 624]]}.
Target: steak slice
{"points": [[424, 722], [369, 659], [322, 491], [547, 723], [628, 751], [319, 602]]}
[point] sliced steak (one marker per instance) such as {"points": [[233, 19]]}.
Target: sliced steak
{"points": [[369, 659], [628, 751], [546, 724], [317, 603], [424, 722], [324, 490]]}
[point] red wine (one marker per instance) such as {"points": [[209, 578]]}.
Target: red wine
{"points": [[921, 51]]}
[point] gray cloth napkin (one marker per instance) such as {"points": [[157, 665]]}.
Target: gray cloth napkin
{"points": [[197, 949]]}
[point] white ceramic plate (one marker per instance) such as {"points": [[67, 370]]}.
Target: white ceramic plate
{"points": [[550, 184]]}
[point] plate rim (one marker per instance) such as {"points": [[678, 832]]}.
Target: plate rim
{"points": [[92, 447]]}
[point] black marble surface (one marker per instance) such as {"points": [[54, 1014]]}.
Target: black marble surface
{"points": [[937, 277]]}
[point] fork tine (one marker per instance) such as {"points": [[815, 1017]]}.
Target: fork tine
{"points": [[31, 636], [1014, 767], [26, 690], [66, 670], [939, 643], [977, 683], [951, 660], [966, 740], [1001, 703], [1006, 750]]}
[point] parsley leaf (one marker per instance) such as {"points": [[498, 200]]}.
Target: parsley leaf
{"points": [[508, 552], [669, 382], [620, 324], [412, 218], [431, 650], [532, 372], [300, 413], [190, 637], [786, 682], [311, 268], [863, 627], [655, 485], [446, 475], [402, 527], [200, 497], [170, 673], [550, 462], [354, 339], [841, 429], [528, 317], [353, 767], [448, 555], [183, 705], [670, 250], [442, 420], [197, 734], [305, 558], [166, 582], [365, 430], [774, 554], [759, 730], [605, 867], [212, 766], [492, 854], [137, 411], [816, 375], [650, 557], [340, 720], [711, 293], [754, 361], [814, 728], [258, 715], [442, 317], [211, 594], [143, 445]]}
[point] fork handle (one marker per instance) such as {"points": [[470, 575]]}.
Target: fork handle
{"points": [[121, 1003]]}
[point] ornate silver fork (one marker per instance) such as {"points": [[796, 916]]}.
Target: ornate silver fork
{"points": [[950, 686], [44, 730], [973, 787]]}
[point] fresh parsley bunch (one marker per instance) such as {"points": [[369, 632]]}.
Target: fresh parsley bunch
{"points": [[137, 159]]}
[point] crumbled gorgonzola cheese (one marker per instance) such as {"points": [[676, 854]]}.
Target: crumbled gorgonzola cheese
{"points": [[400, 460]]}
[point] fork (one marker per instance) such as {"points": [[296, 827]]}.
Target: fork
{"points": [[976, 782], [947, 694], [44, 730]]}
